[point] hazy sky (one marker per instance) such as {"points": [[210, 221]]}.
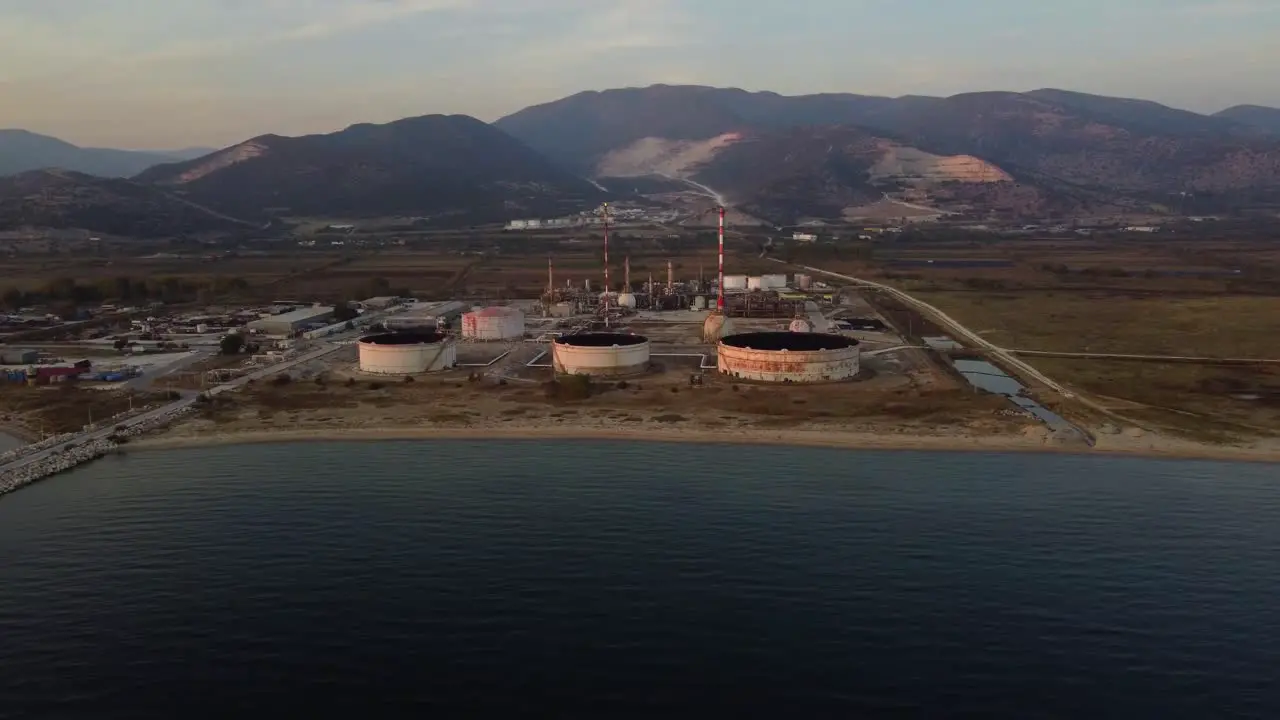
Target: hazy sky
{"points": [[173, 73]]}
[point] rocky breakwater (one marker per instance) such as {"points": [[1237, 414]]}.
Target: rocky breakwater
{"points": [[74, 454]]}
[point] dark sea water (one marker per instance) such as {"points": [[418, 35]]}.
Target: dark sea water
{"points": [[563, 579]]}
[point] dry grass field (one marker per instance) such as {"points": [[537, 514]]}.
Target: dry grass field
{"points": [[1223, 326]]}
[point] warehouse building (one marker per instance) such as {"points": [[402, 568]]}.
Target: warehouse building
{"points": [[426, 315], [292, 322], [16, 356]]}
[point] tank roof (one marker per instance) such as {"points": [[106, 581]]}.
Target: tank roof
{"points": [[403, 338], [601, 340], [790, 341], [496, 311]]}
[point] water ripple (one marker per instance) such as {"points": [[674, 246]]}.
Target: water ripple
{"points": [[538, 578]]}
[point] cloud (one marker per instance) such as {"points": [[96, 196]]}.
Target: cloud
{"points": [[1229, 9], [349, 16], [596, 30]]}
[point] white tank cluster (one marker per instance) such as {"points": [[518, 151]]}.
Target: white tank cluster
{"points": [[735, 282], [493, 323], [626, 300], [601, 354], [408, 353], [788, 357]]}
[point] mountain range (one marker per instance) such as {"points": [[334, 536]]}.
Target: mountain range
{"points": [[1058, 151], [62, 199], [782, 158]]}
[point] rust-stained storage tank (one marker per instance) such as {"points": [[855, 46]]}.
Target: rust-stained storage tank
{"points": [[797, 357], [493, 323], [716, 326], [601, 354], [407, 353]]}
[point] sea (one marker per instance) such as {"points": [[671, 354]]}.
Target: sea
{"points": [[635, 579]]}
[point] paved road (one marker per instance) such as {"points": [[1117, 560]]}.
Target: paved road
{"points": [[950, 324], [187, 399], [1152, 358]]}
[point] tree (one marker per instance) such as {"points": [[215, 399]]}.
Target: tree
{"points": [[343, 312], [231, 344]]}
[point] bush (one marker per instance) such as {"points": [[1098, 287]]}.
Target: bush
{"points": [[375, 386], [570, 387], [622, 384], [282, 379], [408, 378], [675, 390], [351, 382]]}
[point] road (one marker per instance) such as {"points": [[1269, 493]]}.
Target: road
{"points": [[1149, 358], [951, 325], [187, 399], [913, 206], [706, 190]]}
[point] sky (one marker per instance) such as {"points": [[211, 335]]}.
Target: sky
{"points": [[178, 73]]}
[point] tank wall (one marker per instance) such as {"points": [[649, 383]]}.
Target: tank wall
{"points": [[787, 366], [600, 361], [735, 282], [501, 326], [406, 359]]}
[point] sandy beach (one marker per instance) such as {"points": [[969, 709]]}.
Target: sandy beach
{"points": [[1150, 446]]}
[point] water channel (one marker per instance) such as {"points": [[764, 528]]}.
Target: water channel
{"points": [[985, 376]]}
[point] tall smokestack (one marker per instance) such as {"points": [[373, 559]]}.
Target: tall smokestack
{"points": [[720, 295], [606, 247], [626, 274], [671, 277], [604, 297], [551, 282]]}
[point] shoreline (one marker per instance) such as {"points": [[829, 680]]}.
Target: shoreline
{"points": [[832, 439]]}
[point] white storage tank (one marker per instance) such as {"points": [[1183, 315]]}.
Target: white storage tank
{"points": [[755, 283], [700, 302], [202, 328], [626, 300], [406, 353], [601, 354], [801, 325], [735, 282], [803, 282], [772, 282], [493, 323]]}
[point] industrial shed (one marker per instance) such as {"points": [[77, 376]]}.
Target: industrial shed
{"points": [[292, 322]]}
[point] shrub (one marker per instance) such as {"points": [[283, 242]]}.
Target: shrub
{"points": [[570, 387]]}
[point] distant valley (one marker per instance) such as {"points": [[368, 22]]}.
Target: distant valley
{"points": [[21, 151]]}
